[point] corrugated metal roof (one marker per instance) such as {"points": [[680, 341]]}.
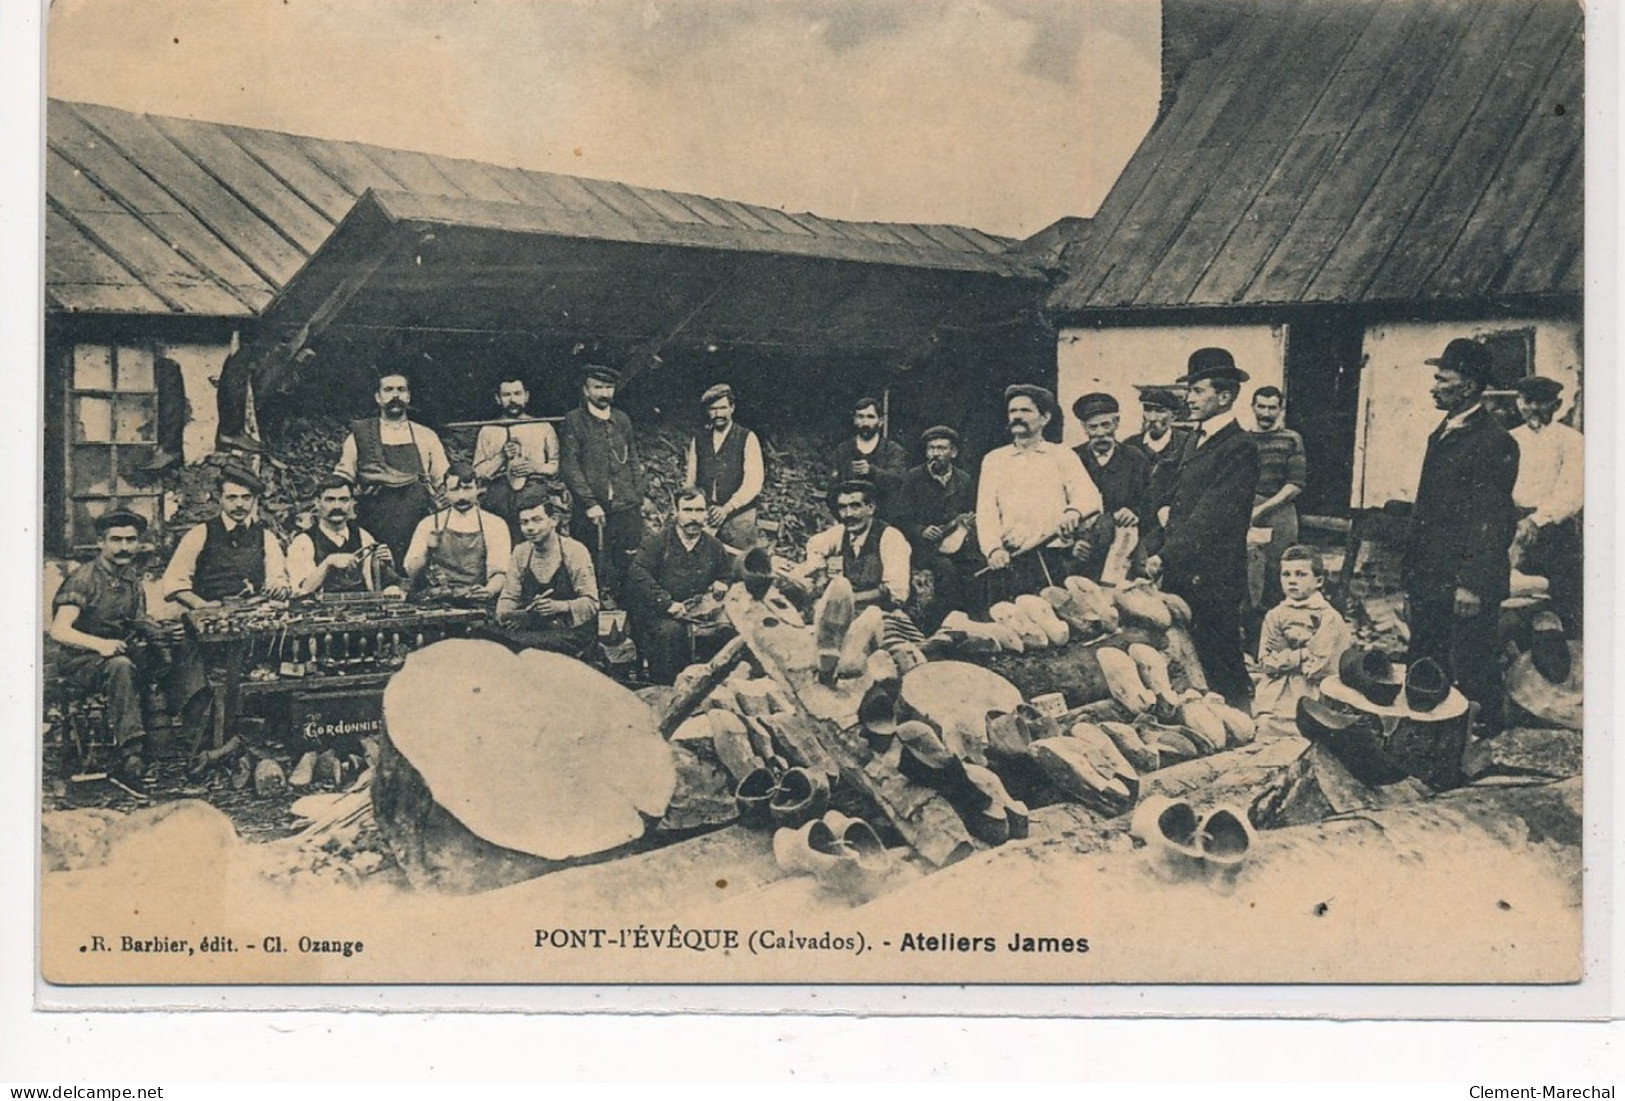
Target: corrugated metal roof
{"points": [[148, 214], [1370, 151]]}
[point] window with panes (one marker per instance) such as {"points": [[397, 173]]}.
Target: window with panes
{"points": [[112, 418]]}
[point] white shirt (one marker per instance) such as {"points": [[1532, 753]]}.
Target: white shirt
{"points": [[183, 564], [302, 564], [1210, 427], [498, 543], [894, 556], [755, 473], [1551, 466], [393, 433], [1158, 446], [537, 440], [1022, 495], [1456, 421]]}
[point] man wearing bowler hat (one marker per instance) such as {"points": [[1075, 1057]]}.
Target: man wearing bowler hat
{"points": [[725, 463], [1204, 547], [1457, 566], [599, 462], [1550, 495]]}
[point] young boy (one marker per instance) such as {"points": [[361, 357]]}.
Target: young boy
{"points": [[1302, 638]]}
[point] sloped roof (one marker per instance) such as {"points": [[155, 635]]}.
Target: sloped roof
{"points": [[155, 215], [1357, 151]]}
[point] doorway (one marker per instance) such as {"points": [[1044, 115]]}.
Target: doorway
{"points": [[1323, 361]]}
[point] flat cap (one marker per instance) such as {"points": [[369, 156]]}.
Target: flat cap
{"points": [[1093, 405], [1040, 397], [121, 518], [550, 492], [1215, 364], [717, 393], [850, 485], [1540, 388], [1158, 397], [1467, 357], [236, 475], [940, 432], [599, 373]]}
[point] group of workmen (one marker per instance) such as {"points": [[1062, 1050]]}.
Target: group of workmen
{"points": [[559, 531]]}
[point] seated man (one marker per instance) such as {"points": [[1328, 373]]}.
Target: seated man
{"points": [[99, 617], [230, 556], [550, 598], [870, 553], [672, 572], [936, 510], [337, 556], [461, 550]]}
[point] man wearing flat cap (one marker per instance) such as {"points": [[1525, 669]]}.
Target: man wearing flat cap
{"points": [[232, 555], [725, 462], [1163, 445], [1457, 567], [600, 465], [1550, 495], [1032, 498], [1204, 546], [871, 554], [1123, 476], [870, 456], [109, 645], [936, 510]]}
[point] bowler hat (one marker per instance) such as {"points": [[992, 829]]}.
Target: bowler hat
{"points": [[599, 373], [1156, 397], [1371, 674], [940, 432], [717, 393], [1468, 358], [121, 518], [1216, 364], [1092, 405], [1539, 388]]}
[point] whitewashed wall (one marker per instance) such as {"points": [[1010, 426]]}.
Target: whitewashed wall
{"points": [[1116, 360], [200, 368], [1396, 412]]}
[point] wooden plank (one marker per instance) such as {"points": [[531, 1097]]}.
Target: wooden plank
{"points": [[740, 216], [1478, 158], [417, 172], [779, 221], [163, 270], [1535, 162], [669, 207], [1253, 158], [89, 157], [1162, 163], [249, 180], [1396, 193], [1174, 196], [1369, 146], [481, 181], [531, 189], [84, 278], [346, 162], [1551, 259], [591, 211], [273, 256], [285, 159]]}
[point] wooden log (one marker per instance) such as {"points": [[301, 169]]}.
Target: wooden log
{"points": [[1526, 751], [704, 795], [1074, 669], [788, 654], [690, 690], [1237, 777]]}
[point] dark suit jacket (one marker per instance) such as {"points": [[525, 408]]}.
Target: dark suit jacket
{"points": [[923, 502], [1164, 464], [887, 465], [1463, 521], [1205, 542]]}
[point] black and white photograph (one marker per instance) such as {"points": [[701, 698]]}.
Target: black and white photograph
{"points": [[809, 492]]}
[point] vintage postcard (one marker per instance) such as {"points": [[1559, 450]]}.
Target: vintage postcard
{"points": [[879, 492]]}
